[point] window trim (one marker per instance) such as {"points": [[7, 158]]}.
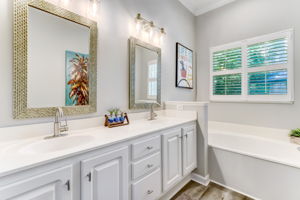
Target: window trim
{"points": [[244, 70]]}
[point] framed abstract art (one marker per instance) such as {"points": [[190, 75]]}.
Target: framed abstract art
{"points": [[77, 79], [184, 67]]}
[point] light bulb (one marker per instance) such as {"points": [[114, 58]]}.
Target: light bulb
{"points": [[138, 22], [156, 38], [65, 2], [151, 31], [161, 38], [93, 8], [145, 35], [138, 26], [162, 35]]}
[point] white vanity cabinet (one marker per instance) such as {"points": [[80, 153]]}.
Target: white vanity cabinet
{"points": [[172, 158], [189, 149], [143, 168], [52, 185], [106, 176], [179, 155]]}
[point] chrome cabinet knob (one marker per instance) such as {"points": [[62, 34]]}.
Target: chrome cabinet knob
{"points": [[89, 176], [150, 165], [150, 191]]}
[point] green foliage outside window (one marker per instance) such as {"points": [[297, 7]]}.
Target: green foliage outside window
{"points": [[230, 84]]}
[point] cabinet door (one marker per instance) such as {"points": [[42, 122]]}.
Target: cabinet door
{"points": [[189, 149], [172, 158], [106, 176], [53, 185]]}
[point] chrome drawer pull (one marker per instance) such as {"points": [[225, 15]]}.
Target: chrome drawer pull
{"points": [[150, 165], [68, 184], [149, 147], [150, 191], [89, 175]]}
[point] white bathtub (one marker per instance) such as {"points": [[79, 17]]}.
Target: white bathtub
{"points": [[259, 162]]}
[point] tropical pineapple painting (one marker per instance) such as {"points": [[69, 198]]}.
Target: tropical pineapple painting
{"points": [[77, 79]]}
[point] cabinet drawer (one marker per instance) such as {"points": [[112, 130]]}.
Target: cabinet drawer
{"points": [[146, 147], [149, 188], [146, 165]]}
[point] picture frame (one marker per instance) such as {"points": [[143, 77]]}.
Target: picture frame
{"points": [[184, 67]]}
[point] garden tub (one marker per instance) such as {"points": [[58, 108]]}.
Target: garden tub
{"points": [[259, 162]]}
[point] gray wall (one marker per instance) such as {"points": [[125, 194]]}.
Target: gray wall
{"points": [[241, 20], [115, 17]]}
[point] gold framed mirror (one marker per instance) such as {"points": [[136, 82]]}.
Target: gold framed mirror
{"points": [[47, 72], [145, 75]]}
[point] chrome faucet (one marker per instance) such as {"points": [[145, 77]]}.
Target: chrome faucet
{"points": [[58, 127], [153, 115]]}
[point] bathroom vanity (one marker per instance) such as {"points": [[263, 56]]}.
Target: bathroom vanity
{"points": [[141, 161]]}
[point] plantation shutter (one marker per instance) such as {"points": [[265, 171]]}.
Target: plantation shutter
{"points": [[226, 81], [227, 59], [267, 83], [228, 84], [258, 69], [268, 53]]}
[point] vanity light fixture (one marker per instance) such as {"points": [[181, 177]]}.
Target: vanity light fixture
{"points": [[149, 30]]}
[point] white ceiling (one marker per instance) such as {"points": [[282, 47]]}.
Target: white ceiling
{"points": [[199, 7]]}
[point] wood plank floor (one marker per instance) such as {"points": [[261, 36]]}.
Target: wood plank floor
{"points": [[195, 191]]}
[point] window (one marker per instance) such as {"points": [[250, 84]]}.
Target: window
{"points": [[152, 80], [254, 70]]}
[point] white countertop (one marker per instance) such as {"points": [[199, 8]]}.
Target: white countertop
{"points": [[14, 154]]}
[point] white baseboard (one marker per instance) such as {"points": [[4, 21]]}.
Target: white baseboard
{"points": [[200, 179]]}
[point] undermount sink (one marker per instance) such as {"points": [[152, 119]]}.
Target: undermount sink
{"points": [[56, 144]]}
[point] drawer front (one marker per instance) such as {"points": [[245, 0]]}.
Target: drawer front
{"points": [[146, 147], [149, 188], [146, 165]]}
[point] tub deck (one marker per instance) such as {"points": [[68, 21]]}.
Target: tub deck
{"points": [[260, 162], [264, 143]]}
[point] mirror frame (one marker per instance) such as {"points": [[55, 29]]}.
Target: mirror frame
{"points": [[21, 110], [132, 101]]}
